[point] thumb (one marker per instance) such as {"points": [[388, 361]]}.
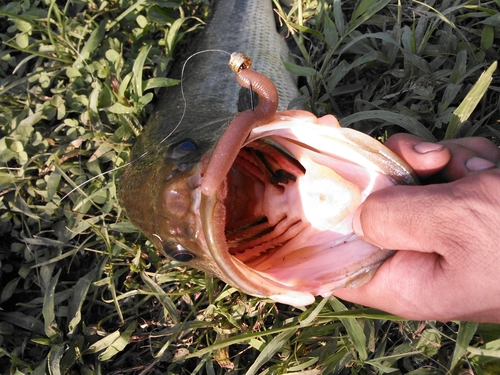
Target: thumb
{"points": [[401, 217]]}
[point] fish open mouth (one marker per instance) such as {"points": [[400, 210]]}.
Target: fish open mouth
{"points": [[283, 215]]}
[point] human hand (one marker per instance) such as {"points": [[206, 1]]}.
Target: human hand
{"points": [[448, 266]]}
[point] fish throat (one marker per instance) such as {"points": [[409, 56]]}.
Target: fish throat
{"points": [[258, 220]]}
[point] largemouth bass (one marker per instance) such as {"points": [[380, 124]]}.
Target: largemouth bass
{"points": [[278, 224]]}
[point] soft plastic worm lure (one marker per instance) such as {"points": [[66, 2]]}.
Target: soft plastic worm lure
{"points": [[238, 130]]}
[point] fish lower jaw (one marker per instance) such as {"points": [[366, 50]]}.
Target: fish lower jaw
{"points": [[302, 298]]}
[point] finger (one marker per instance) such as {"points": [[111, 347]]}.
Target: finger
{"points": [[468, 156], [424, 158], [401, 286], [440, 218], [399, 217], [483, 147], [418, 286], [428, 286]]}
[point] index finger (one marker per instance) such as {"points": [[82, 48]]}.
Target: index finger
{"points": [[425, 158]]}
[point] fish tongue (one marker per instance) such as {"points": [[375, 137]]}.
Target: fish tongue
{"points": [[325, 198]]}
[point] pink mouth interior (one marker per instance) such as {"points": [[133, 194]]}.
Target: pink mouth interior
{"points": [[289, 213]]}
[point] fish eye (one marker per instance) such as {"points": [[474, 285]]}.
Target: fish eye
{"points": [[182, 149], [178, 252]]}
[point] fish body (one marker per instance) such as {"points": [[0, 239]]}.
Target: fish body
{"points": [[280, 225]]}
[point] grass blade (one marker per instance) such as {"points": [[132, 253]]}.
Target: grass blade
{"points": [[465, 333], [119, 344], [93, 42], [365, 10], [138, 69], [464, 110], [271, 348], [167, 303], [8, 290], [307, 317], [80, 293], [103, 343], [353, 328], [406, 122], [54, 359], [339, 17], [485, 352], [49, 316], [23, 321]]}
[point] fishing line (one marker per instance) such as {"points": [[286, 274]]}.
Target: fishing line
{"points": [[165, 138], [252, 105], [182, 89]]}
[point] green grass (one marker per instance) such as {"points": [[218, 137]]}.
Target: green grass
{"points": [[83, 292]]}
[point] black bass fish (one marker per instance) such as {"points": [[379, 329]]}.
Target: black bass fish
{"points": [[264, 199]]}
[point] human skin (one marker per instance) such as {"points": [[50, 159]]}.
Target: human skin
{"points": [[446, 231]]}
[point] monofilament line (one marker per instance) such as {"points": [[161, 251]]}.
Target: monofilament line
{"points": [[184, 109]]}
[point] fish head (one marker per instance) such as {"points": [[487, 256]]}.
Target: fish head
{"points": [[280, 225]]}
